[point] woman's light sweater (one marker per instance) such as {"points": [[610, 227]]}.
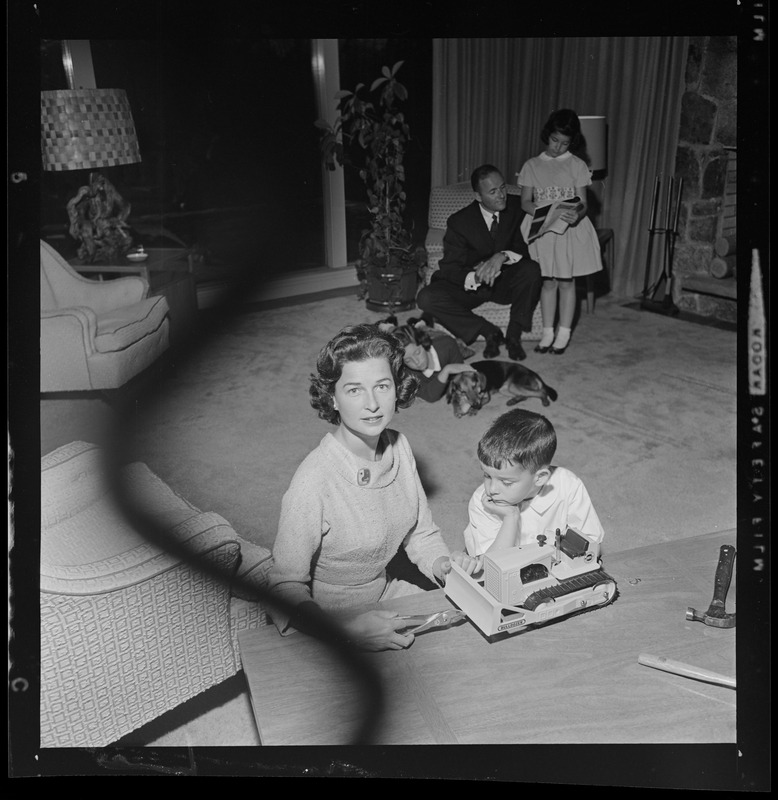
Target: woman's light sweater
{"points": [[343, 519]]}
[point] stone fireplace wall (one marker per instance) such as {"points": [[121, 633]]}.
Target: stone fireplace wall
{"points": [[707, 161]]}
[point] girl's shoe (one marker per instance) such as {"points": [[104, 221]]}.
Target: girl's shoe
{"points": [[540, 349], [561, 341]]}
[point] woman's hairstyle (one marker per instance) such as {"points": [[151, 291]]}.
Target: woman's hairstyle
{"points": [[518, 437], [566, 122], [358, 343]]}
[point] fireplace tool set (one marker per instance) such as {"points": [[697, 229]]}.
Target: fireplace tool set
{"points": [[659, 295]]}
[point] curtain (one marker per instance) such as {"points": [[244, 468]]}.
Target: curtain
{"points": [[491, 98]]}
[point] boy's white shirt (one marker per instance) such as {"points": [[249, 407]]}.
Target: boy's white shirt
{"points": [[563, 501]]}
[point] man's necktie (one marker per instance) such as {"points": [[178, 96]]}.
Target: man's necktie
{"points": [[493, 228]]}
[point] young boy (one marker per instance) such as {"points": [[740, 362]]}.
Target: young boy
{"points": [[523, 495]]}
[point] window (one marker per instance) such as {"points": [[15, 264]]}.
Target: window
{"points": [[230, 153]]}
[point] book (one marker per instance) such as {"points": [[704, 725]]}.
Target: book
{"points": [[547, 218]]}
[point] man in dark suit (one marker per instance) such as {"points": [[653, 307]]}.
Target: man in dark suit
{"points": [[485, 258]]}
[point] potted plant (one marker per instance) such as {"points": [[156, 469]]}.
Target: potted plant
{"points": [[371, 137]]}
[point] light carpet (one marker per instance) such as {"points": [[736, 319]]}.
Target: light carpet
{"points": [[646, 416]]}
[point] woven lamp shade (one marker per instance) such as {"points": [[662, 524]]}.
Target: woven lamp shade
{"points": [[87, 129]]}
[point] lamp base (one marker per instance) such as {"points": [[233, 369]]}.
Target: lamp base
{"points": [[98, 221]]}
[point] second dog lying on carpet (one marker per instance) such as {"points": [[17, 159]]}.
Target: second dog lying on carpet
{"points": [[467, 392]]}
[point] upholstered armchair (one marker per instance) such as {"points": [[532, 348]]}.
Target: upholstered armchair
{"points": [[444, 201], [130, 630], [96, 335]]}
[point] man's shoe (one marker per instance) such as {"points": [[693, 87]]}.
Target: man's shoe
{"points": [[493, 342], [515, 350]]}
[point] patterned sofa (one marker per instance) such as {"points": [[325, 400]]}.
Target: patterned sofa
{"points": [[130, 630], [444, 201]]}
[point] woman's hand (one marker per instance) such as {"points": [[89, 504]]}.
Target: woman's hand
{"points": [[470, 564], [377, 630], [442, 565]]}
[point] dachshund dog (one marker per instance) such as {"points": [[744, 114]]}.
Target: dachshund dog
{"points": [[469, 391]]}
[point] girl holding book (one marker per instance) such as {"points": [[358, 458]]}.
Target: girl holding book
{"points": [[560, 172]]}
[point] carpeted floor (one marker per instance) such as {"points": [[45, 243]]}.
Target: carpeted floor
{"points": [[646, 415]]}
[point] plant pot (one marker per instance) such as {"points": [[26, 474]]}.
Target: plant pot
{"points": [[393, 287]]}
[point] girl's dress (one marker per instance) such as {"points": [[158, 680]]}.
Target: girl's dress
{"points": [[576, 251]]}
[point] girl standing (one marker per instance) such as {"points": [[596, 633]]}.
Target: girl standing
{"points": [[560, 172]]}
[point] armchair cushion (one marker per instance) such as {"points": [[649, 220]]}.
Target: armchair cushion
{"points": [[446, 200], [122, 326], [128, 629], [96, 334], [62, 286]]}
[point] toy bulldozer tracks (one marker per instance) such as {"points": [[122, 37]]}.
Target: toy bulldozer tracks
{"points": [[565, 587]]}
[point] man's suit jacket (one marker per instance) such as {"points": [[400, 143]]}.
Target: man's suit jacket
{"points": [[467, 241]]}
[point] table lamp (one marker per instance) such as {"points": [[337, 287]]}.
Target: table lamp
{"points": [[595, 130], [91, 129]]}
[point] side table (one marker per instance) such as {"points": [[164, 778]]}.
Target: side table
{"points": [[605, 237], [169, 272]]}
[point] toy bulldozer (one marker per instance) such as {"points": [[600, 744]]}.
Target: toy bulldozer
{"points": [[532, 584]]}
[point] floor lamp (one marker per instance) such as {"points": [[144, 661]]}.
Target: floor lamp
{"points": [[595, 131], [91, 129]]}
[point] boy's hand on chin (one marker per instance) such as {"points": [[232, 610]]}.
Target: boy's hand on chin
{"points": [[499, 509]]}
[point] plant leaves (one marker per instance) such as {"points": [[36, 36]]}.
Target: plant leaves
{"points": [[370, 138]]}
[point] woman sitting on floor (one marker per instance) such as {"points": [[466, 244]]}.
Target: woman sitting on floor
{"points": [[356, 499]]}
